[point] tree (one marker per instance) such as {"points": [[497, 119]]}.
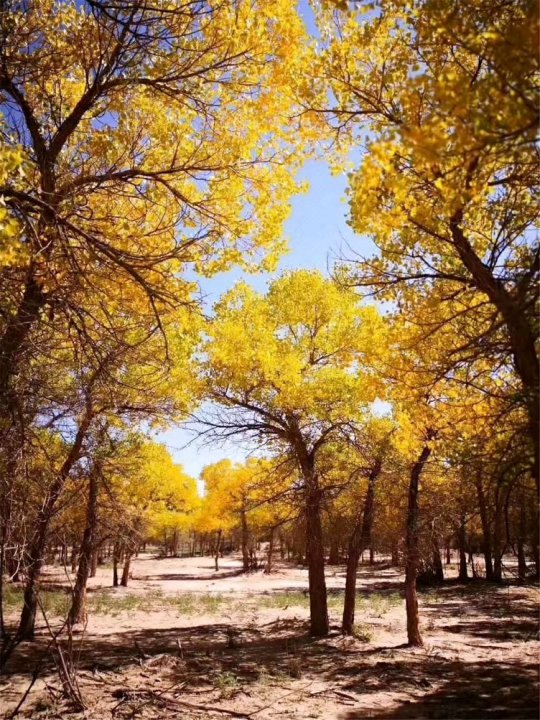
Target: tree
{"points": [[151, 138], [217, 511], [286, 371], [447, 186], [148, 494]]}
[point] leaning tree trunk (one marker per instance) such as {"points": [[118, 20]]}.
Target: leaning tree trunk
{"points": [[520, 331], [411, 551], [359, 540], [27, 621], [78, 611]]}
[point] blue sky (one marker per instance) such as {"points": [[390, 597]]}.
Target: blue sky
{"points": [[317, 231]]}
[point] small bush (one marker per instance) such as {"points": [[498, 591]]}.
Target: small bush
{"points": [[363, 632], [111, 603], [294, 667], [12, 597], [227, 684], [283, 600], [55, 603], [381, 604]]}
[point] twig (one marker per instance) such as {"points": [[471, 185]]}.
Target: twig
{"points": [[345, 695]]}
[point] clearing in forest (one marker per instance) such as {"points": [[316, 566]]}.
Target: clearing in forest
{"points": [[185, 641]]}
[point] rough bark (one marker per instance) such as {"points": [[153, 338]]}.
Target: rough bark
{"points": [[411, 550]]}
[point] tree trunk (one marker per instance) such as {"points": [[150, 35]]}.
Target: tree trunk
{"points": [[497, 540], [117, 550], [12, 344], [411, 551], [462, 542], [333, 556], [63, 553], [268, 568], [25, 630], [78, 612], [437, 561], [94, 561], [535, 541], [522, 530], [74, 557], [218, 543], [253, 556], [245, 540], [521, 334], [127, 562], [486, 530], [448, 557], [360, 539], [319, 623]]}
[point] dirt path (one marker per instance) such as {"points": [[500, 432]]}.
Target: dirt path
{"points": [[184, 641]]}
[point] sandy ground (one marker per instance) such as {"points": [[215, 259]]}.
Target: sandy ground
{"points": [[240, 648]]}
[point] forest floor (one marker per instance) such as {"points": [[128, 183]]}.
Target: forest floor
{"points": [[184, 641]]}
